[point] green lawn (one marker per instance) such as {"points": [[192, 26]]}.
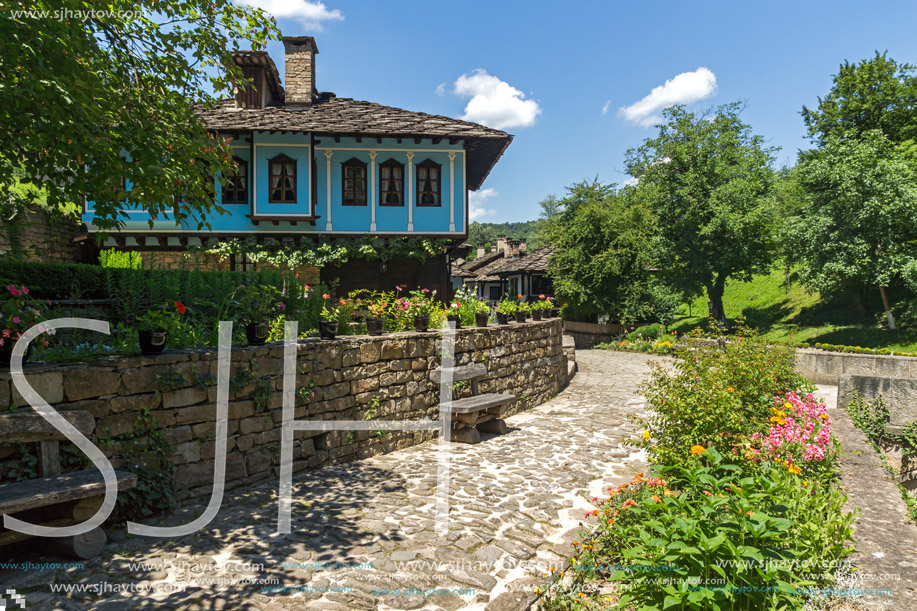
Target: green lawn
{"points": [[797, 315]]}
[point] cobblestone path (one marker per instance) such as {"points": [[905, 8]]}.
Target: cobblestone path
{"points": [[363, 533]]}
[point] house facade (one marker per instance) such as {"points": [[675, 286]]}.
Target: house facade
{"points": [[312, 165], [508, 269]]}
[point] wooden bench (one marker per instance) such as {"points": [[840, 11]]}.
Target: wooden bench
{"points": [[478, 413], [55, 498]]}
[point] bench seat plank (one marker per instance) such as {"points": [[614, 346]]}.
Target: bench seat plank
{"points": [[31, 427], [44, 491], [480, 402]]}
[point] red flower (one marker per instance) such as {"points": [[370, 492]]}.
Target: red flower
{"points": [[180, 307], [519, 295], [541, 296], [326, 296]]}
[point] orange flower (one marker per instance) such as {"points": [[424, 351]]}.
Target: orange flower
{"points": [[656, 499], [326, 296], [698, 450]]}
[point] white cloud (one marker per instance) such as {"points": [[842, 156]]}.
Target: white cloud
{"points": [[495, 103], [476, 201], [441, 89], [685, 88], [633, 181], [606, 107], [310, 13]]}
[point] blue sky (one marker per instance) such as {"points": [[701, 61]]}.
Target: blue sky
{"points": [[544, 71]]}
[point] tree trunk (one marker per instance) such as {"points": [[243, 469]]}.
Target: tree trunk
{"points": [[861, 302], [888, 312], [715, 296]]}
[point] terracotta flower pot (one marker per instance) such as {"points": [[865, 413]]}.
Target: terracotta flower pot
{"points": [[152, 342], [481, 318], [375, 325], [421, 323], [520, 316], [256, 333], [6, 353], [536, 314], [328, 329], [456, 319]]}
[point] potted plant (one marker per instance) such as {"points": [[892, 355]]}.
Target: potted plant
{"points": [[506, 309], [541, 308], [481, 313], [328, 325], [375, 322], [453, 314], [258, 305], [154, 326], [421, 305], [522, 311], [19, 313]]}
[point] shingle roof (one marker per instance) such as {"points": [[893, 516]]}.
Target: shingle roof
{"points": [[491, 267], [335, 116]]}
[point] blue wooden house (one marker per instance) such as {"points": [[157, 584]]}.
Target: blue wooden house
{"points": [[312, 164]]}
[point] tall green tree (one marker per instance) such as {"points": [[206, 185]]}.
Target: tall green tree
{"points": [[550, 207], [94, 94], [603, 256], [709, 182], [859, 223], [874, 94]]}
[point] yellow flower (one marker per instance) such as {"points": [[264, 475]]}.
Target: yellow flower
{"points": [[788, 405], [731, 389], [668, 492], [698, 450], [537, 590], [646, 434], [573, 561], [824, 416], [805, 483]]}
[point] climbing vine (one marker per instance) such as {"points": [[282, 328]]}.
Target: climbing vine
{"points": [[324, 251]]}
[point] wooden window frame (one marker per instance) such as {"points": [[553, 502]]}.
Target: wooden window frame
{"points": [[429, 164], [231, 187], [391, 163], [283, 160], [353, 162]]}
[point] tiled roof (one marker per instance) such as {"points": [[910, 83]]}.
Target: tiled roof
{"points": [[470, 268], [333, 116]]}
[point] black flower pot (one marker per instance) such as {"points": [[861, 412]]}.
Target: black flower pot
{"points": [[328, 329], [502, 319], [481, 318], [6, 353], [555, 312], [520, 316], [536, 314], [456, 319], [256, 333], [375, 325], [421, 323], [152, 342]]}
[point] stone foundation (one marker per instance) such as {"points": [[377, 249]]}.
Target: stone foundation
{"points": [[351, 378]]}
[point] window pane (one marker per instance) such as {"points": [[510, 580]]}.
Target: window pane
{"points": [[397, 172], [275, 169], [434, 173], [422, 173]]}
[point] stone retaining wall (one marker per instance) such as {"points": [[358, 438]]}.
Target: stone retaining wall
{"points": [[351, 378], [824, 367]]}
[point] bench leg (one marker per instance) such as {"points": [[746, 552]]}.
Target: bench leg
{"points": [[495, 426], [466, 435]]}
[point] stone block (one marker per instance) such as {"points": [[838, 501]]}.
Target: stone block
{"points": [[364, 385], [183, 397], [255, 424], [859, 364], [49, 385], [97, 407], [392, 349], [119, 424], [187, 452], [898, 394], [178, 434], [258, 461], [196, 413], [892, 367], [369, 352], [86, 383], [194, 474], [241, 409], [4, 393], [134, 403], [350, 357]]}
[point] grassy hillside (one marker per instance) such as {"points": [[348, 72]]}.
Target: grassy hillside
{"points": [[797, 315]]}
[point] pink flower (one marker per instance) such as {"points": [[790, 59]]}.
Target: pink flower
{"points": [[15, 319], [426, 290], [281, 306], [25, 290], [14, 291]]}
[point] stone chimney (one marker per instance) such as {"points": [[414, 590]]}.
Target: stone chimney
{"points": [[501, 244], [481, 251], [522, 246], [299, 71], [512, 248]]}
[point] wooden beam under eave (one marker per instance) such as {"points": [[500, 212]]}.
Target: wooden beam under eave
{"points": [[418, 140], [437, 140]]}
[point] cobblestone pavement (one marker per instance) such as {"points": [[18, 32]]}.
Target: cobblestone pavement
{"points": [[885, 537], [363, 533]]}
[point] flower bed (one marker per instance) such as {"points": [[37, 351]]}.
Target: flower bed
{"points": [[743, 494]]}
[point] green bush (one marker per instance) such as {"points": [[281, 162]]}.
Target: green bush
{"points": [[723, 536], [653, 331], [716, 392]]}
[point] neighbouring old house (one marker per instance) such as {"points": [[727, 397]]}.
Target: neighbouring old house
{"points": [[314, 165], [508, 269]]}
